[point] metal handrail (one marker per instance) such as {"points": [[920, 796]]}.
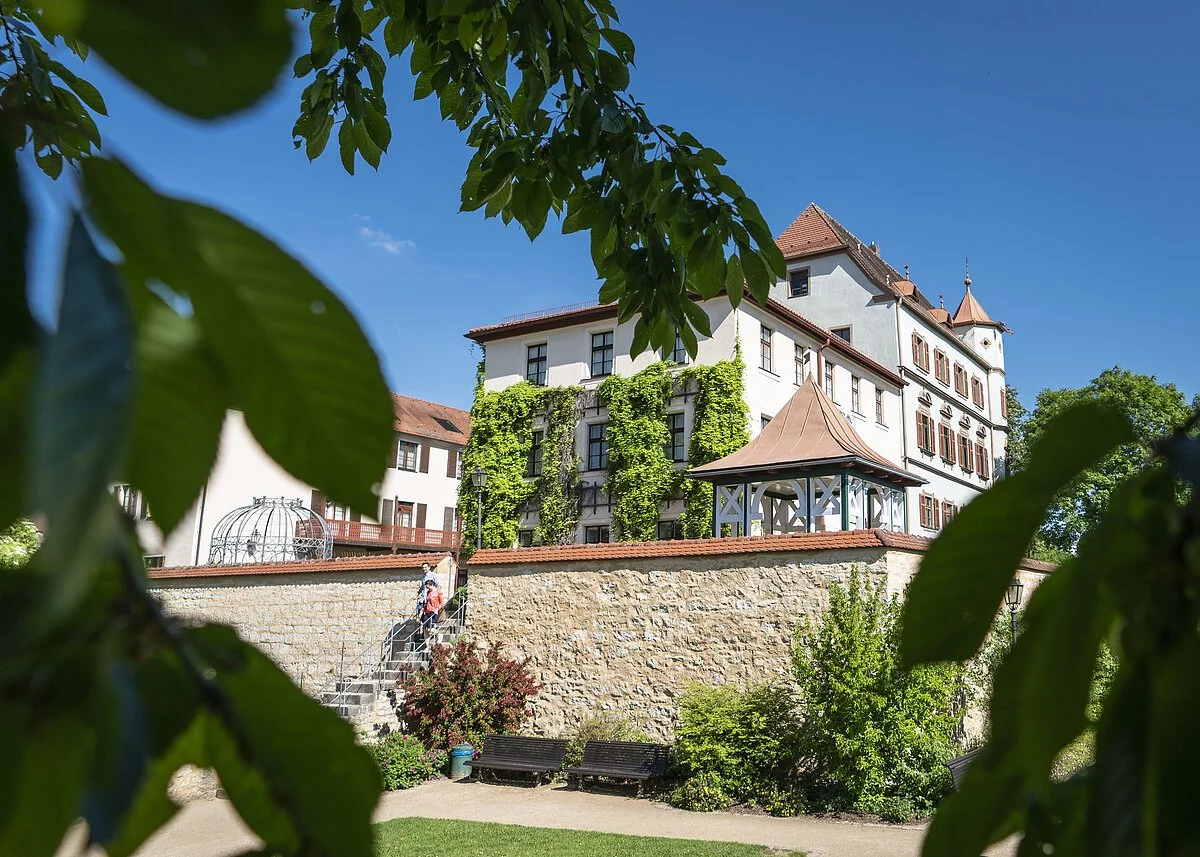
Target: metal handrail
{"points": [[413, 656]]}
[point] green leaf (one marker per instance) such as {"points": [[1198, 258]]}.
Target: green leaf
{"points": [[87, 93], [613, 71], [330, 789], [81, 404], [14, 391], [377, 127], [310, 383], [1120, 776], [51, 163], [347, 144], [620, 42], [537, 207], [370, 152], [1176, 699], [203, 59], [947, 613], [697, 316], [16, 324], [46, 761], [182, 395]]}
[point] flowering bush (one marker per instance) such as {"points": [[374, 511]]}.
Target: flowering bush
{"points": [[465, 695], [404, 761]]}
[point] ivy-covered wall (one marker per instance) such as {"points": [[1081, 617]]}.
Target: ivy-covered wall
{"points": [[641, 477]]}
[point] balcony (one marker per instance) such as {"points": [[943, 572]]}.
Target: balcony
{"points": [[393, 536]]}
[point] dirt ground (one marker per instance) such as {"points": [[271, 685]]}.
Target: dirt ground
{"points": [[213, 829]]}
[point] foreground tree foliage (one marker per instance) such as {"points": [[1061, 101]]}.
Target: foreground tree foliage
{"points": [[187, 312], [1132, 583]]}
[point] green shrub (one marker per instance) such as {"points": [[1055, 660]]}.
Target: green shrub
{"points": [[701, 793], [874, 735], [603, 726], [742, 738], [783, 801], [466, 694], [404, 761]]}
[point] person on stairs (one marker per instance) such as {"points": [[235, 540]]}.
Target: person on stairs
{"points": [[431, 607]]}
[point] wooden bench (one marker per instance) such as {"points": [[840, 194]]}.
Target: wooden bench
{"points": [[958, 767], [521, 753], [622, 760]]}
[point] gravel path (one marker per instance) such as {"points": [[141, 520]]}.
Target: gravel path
{"points": [[213, 829]]}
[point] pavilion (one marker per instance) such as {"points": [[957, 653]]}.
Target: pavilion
{"points": [[808, 470]]}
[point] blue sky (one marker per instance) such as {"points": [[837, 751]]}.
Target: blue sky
{"points": [[1052, 143]]}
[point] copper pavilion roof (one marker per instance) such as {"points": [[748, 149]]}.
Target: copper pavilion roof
{"points": [[809, 433]]}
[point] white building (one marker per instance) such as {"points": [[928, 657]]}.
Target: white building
{"points": [[417, 504], [923, 389], [955, 426]]}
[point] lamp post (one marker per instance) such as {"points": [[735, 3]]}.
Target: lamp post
{"points": [[479, 479], [1012, 597]]}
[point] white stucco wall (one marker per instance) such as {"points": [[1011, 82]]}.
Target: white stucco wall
{"points": [[840, 295]]}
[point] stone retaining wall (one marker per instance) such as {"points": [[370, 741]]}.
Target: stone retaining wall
{"points": [[629, 635]]}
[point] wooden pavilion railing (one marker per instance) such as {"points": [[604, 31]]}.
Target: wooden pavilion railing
{"points": [[365, 533]]}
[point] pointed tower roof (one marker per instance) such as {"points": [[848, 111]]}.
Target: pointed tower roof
{"points": [[812, 232], [970, 311], [808, 433]]}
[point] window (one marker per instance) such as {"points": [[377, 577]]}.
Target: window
{"points": [[447, 425], [404, 514], [597, 446], [595, 535], [841, 333], [1004, 405], [801, 363], [406, 457], [602, 354], [765, 360], [533, 467], [929, 508], [458, 458], [668, 530], [977, 392], [153, 561], [677, 354], [855, 405], [966, 453], [947, 443], [879, 407], [798, 283], [925, 433], [981, 461], [525, 538], [949, 510], [335, 512], [535, 364], [763, 421], [920, 352], [960, 380], [675, 449], [941, 366], [131, 502], [829, 381]]}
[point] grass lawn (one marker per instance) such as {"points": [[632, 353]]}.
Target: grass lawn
{"points": [[427, 837]]}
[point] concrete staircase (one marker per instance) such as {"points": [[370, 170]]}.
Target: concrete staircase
{"points": [[371, 696]]}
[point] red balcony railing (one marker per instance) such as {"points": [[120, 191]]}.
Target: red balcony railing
{"points": [[362, 532]]}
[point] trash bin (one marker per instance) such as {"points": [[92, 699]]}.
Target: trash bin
{"points": [[460, 761]]}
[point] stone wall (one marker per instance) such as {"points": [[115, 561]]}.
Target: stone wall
{"points": [[308, 622], [629, 635]]}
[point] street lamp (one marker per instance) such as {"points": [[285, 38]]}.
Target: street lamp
{"points": [[479, 479], [1012, 597]]}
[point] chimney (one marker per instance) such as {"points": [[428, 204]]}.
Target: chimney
{"points": [[874, 248]]}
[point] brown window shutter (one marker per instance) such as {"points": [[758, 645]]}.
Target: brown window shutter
{"points": [[937, 514], [421, 515], [424, 458], [387, 512], [392, 453], [452, 463], [318, 503], [355, 516], [916, 349], [448, 520]]}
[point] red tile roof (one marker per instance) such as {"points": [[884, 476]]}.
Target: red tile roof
{"points": [[425, 419], [782, 543], [377, 562]]}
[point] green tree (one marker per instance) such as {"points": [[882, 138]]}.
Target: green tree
{"points": [[188, 312], [17, 544], [874, 735], [1152, 409]]}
